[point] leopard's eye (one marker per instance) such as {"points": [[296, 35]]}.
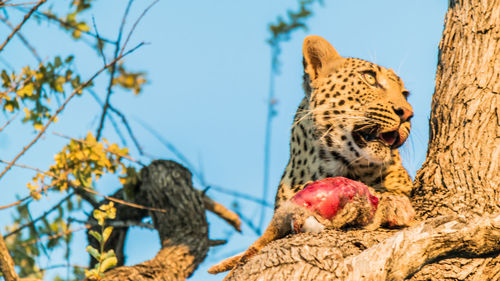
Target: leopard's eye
{"points": [[369, 77], [406, 94]]}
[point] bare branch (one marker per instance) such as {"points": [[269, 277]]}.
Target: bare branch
{"points": [[249, 223], [129, 129], [136, 23], [8, 122], [217, 242], [23, 39], [56, 235], [119, 201], [16, 203], [229, 216], [171, 147], [17, 4], [46, 213], [100, 49], [67, 25], [116, 223], [113, 122], [18, 27], [241, 196], [112, 72], [61, 108]]}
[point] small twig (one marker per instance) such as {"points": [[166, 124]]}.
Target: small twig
{"points": [[115, 223], [44, 249], [56, 235], [241, 195], [16, 29], [16, 203], [101, 51], [119, 201], [67, 25], [136, 23], [17, 4], [128, 128], [172, 149], [112, 71], [61, 108], [217, 242], [249, 222], [46, 213], [24, 40], [56, 266], [113, 122], [8, 122], [222, 212]]}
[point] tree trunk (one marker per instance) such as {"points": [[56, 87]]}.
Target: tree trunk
{"points": [[461, 172], [456, 191], [183, 227]]}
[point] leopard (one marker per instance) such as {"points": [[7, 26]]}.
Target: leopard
{"points": [[352, 120]]}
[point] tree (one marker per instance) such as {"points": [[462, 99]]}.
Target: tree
{"points": [[455, 192], [163, 189]]}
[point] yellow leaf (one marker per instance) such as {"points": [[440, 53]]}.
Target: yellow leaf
{"points": [[27, 90], [38, 126], [27, 112], [9, 107]]}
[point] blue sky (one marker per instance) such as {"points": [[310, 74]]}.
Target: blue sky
{"points": [[208, 68]]}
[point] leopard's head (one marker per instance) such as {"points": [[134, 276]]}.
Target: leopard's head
{"points": [[359, 109]]}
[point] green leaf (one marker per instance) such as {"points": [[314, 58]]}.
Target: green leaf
{"points": [[69, 59], [108, 254], [57, 62], [108, 263], [93, 252], [106, 233], [96, 235]]}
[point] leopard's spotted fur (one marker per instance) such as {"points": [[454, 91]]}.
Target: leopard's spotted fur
{"points": [[350, 123], [352, 119]]}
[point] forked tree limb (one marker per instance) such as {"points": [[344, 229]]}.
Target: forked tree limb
{"points": [[183, 227], [395, 258]]}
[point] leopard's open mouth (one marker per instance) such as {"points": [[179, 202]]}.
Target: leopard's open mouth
{"points": [[363, 135]]}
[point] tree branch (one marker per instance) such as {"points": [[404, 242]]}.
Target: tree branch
{"points": [[46, 213], [112, 71], [395, 258], [18, 27], [8, 122], [23, 39], [61, 108]]}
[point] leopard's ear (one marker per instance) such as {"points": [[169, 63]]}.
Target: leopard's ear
{"points": [[319, 56]]}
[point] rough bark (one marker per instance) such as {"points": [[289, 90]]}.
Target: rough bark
{"points": [[6, 262], [461, 172], [183, 228], [456, 191], [338, 255]]}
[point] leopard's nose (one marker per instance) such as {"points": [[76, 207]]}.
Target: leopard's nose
{"points": [[404, 113]]}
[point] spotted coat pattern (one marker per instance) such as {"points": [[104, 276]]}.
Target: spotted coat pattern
{"points": [[350, 123]]}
